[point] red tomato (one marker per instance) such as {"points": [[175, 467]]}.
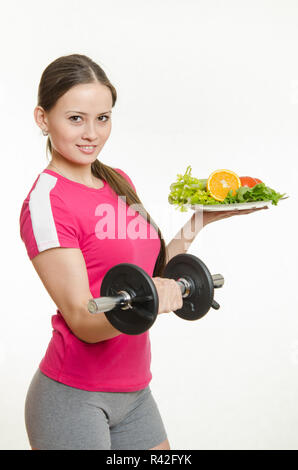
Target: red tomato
{"points": [[248, 181], [258, 181]]}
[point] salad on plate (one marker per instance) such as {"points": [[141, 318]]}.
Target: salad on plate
{"points": [[223, 188]]}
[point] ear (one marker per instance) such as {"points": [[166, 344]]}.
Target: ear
{"points": [[41, 118]]}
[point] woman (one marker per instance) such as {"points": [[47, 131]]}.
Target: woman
{"points": [[91, 389]]}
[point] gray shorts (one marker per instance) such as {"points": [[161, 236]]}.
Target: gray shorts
{"points": [[60, 417]]}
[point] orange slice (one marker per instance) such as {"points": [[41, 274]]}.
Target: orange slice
{"points": [[220, 182]]}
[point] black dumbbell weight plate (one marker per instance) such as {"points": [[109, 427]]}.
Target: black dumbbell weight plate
{"points": [[199, 302], [134, 280]]}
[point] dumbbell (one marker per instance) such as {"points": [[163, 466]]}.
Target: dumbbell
{"points": [[129, 297]]}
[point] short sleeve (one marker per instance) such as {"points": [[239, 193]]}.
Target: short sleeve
{"points": [[126, 177], [46, 222]]}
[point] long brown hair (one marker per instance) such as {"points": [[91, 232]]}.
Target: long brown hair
{"points": [[57, 78]]}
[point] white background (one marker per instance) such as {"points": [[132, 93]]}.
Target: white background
{"points": [[212, 84]]}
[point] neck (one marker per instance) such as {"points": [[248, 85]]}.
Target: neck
{"points": [[79, 173]]}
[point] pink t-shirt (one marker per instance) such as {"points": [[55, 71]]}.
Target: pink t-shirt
{"points": [[59, 212]]}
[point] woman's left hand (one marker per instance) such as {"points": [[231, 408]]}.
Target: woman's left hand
{"points": [[213, 216]]}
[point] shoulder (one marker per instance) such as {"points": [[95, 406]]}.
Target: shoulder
{"points": [[125, 175], [44, 196], [45, 219]]}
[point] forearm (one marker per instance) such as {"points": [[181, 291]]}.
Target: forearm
{"points": [[93, 328], [183, 239]]}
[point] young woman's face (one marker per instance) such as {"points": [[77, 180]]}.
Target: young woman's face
{"points": [[81, 117]]}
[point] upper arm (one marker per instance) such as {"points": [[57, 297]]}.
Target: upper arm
{"points": [[51, 235], [64, 275]]}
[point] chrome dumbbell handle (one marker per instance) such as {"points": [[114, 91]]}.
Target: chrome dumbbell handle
{"points": [[104, 304], [218, 280]]}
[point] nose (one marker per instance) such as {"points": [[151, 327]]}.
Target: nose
{"points": [[90, 131]]}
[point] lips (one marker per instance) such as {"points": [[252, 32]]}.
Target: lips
{"points": [[87, 151]]}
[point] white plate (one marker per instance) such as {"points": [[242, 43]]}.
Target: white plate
{"points": [[229, 207]]}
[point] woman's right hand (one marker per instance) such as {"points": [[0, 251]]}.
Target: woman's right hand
{"points": [[169, 294]]}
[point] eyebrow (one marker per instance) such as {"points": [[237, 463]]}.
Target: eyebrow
{"points": [[80, 112]]}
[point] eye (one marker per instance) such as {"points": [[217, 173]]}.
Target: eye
{"points": [[107, 118], [71, 117]]}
